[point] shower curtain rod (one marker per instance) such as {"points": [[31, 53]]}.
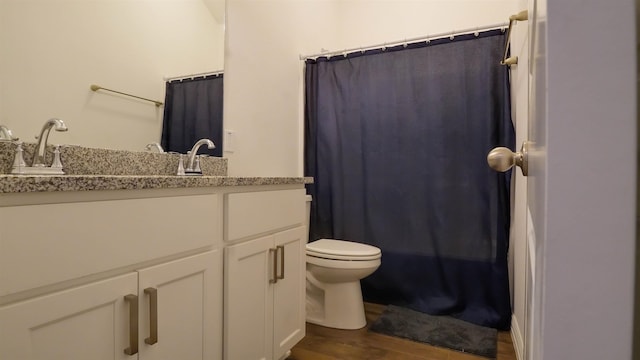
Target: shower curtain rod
{"points": [[450, 34], [192, 76]]}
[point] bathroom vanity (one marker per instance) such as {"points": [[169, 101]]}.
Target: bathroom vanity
{"points": [[151, 267], [264, 293]]}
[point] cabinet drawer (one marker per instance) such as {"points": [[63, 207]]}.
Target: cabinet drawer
{"points": [[50, 243], [254, 213]]}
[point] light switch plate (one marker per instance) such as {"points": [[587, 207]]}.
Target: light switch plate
{"points": [[229, 141]]}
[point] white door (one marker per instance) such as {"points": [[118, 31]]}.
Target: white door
{"points": [[86, 322], [181, 309], [248, 300], [289, 291], [582, 178], [519, 75]]}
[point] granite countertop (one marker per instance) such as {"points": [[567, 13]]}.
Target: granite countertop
{"points": [[89, 169], [78, 160], [46, 183]]}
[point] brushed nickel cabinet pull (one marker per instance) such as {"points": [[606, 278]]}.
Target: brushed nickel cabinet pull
{"points": [[280, 247], [153, 315], [133, 324], [274, 252]]}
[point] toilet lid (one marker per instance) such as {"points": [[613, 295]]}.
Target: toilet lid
{"points": [[341, 248]]}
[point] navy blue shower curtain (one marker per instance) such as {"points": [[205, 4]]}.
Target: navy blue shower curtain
{"points": [[192, 111], [396, 141]]}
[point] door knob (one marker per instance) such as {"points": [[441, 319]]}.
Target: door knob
{"points": [[503, 159]]}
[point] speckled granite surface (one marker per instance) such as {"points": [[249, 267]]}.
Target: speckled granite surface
{"points": [[89, 169], [21, 184], [78, 160]]}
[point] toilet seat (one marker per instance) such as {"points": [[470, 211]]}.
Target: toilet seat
{"points": [[342, 250]]}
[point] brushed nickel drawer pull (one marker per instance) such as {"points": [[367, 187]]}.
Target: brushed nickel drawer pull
{"points": [[133, 324], [274, 252], [153, 315], [281, 247]]}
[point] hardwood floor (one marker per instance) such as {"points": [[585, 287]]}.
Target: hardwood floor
{"points": [[322, 343]]}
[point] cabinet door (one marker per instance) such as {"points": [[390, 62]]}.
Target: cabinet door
{"points": [[189, 308], [289, 291], [86, 322], [248, 300]]}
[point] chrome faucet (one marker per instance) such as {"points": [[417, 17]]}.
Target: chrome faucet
{"points": [[156, 146], [192, 155], [39, 151], [6, 135]]}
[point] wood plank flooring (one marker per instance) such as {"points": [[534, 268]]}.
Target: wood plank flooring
{"points": [[322, 343]]}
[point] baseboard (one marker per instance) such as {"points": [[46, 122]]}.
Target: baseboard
{"points": [[516, 337]]}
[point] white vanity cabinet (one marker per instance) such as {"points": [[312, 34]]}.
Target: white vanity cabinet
{"points": [[188, 315], [102, 271], [112, 318], [87, 322], [264, 292], [95, 274]]}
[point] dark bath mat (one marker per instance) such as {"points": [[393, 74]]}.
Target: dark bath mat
{"points": [[443, 331]]}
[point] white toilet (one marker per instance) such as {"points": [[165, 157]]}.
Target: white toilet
{"points": [[334, 270]]}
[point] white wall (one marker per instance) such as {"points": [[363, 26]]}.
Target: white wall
{"points": [[52, 50], [263, 72]]}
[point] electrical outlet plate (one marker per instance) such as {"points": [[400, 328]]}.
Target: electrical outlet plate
{"points": [[229, 141]]}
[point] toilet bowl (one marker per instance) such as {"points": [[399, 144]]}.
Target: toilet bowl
{"points": [[334, 271]]}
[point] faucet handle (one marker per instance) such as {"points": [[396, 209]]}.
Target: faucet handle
{"points": [[57, 163], [18, 160], [180, 166]]}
